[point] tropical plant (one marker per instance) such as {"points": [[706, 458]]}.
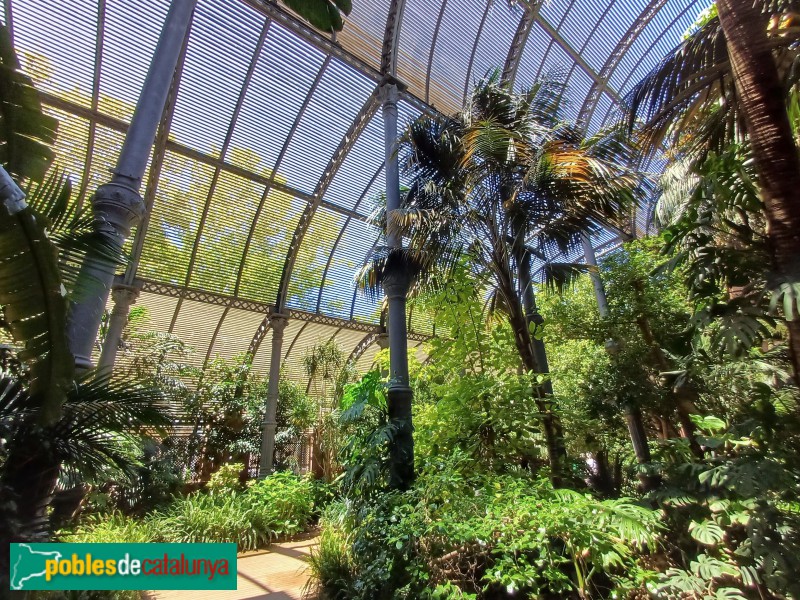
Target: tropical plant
{"points": [[731, 81], [55, 425], [502, 182]]}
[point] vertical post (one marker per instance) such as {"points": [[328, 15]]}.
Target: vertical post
{"points": [[124, 296], [395, 284], [118, 206], [590, 259], [633, 414], [278, 325]]}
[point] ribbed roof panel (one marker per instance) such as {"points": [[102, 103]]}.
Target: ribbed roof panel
{"points": [[222, 42], [323, 125], [123, 72]]}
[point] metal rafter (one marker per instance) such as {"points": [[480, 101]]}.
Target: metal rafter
{"points": [[98, 65], [223, 151], [434, 39], [613, 60], [341, 234], [394, 22], [552, 43], [518, 45], [294, 341], [328, 45], [475, 49], [363, 346], [360, 122], [268, 188]]}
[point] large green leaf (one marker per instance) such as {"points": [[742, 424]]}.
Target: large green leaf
{"points": [[26, 133], [35, 306], [322, 14]]}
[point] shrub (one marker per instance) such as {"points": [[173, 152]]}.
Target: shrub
{"points": [[279, 505], [459, 534]]}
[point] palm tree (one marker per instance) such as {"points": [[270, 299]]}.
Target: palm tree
{"points": [[52, 425], [729, 82], [500, 182]]}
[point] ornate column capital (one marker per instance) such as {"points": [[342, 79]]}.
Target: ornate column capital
{"points": [[382, 340], [278, 323], [117, 206], [396, 283]]}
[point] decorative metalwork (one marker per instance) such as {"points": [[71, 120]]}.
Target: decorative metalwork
{"points": [[394, 21], [364, 345], [518, 45], [635, 30]]}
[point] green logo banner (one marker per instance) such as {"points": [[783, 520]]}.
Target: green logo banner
{"points": [[65, 566]]}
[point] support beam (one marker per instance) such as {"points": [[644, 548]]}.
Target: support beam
{"points": [[591, 260], [124, 296], [118, 206], [278, 325], [395, 285]]}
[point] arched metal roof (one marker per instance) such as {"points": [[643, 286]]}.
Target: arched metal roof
{"points": [[270, 149]]}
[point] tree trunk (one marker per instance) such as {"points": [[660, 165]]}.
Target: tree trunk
{"points": [[761, 97], [551, 423], [633, 415]]}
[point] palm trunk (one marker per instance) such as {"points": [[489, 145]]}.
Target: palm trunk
{"points": [[551, 423], [761, 97], [27, 486]]}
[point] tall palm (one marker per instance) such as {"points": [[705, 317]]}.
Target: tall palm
{"points": [[499, 182], [730, 81]]}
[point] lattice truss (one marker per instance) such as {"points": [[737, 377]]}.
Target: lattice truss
{"points": [[270, 152]]}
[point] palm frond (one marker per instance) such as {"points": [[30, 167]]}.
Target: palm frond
{"points": [[35, 306], [689, 96], [26, 133], [559, 277]]}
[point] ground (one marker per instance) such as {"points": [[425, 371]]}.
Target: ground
{"points": [[278, 573]]}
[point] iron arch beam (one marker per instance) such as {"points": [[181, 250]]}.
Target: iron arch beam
{"points": [[391, 39], [350, 137], [363, 346], [613, 60], [341, 234], [517, 47]]}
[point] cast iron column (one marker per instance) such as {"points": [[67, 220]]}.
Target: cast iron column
{"points": [[124, 296], [117, 205], [591, 260], [278, 325], [395, 284]]}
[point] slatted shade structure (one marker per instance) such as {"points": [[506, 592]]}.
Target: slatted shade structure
{"points": [[270, 153]]}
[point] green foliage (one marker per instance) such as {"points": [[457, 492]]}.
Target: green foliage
{"points": [[738, 504], [279, 505], [460, 533]]}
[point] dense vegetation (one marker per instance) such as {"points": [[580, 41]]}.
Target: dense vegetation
{"points": [[625, 427]]}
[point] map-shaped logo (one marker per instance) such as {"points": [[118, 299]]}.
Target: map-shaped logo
{"points": [[28, 564]]}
